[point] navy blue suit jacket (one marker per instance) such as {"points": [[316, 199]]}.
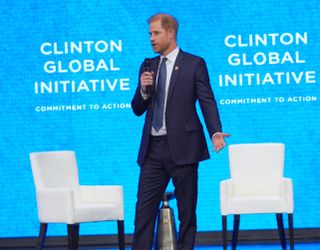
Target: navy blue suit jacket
{"points": [[189, 83]]}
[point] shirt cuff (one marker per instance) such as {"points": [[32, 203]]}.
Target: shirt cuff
{"points": [[216, 133], [144, 95]]}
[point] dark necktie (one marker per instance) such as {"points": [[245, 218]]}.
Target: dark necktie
{"points": [[160, 96]]}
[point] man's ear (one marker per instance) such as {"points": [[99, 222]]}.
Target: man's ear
{"points": [[171, 33]]}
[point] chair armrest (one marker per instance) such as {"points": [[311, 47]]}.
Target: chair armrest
{"points": [[55, 205], [226, 192], [106, 194], [287, 191]]}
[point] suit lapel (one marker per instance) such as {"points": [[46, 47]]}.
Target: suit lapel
{"points": [[175, 73], [155, 64]]}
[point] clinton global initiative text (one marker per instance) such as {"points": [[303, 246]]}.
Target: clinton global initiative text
{"points": [[76, 86], [266, 79]]}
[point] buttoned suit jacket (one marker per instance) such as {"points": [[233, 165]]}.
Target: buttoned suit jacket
{"points": [[189, 83]]}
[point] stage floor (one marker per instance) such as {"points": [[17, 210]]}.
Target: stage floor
{"points": [[298, 246]]}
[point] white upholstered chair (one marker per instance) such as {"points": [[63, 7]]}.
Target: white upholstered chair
{"points": [[256, 186], [60, 198]]}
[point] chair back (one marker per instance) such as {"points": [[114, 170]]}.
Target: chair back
{"points": [[54, 169], [256, 168]]}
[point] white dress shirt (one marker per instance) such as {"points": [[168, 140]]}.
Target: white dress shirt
{"points": [[171, 59]]}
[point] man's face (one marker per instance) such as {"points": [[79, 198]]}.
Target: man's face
{"points": [[160, 38]]}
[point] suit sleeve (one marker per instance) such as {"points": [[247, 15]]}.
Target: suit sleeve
{"points": [[206, 99], [139, 104]]}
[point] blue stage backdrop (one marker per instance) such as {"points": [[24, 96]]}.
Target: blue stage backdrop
{"points": [[69, 69]]}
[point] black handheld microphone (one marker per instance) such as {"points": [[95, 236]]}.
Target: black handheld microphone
{"points": [[147, 67]]}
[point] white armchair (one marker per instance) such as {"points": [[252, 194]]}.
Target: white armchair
{"points": [[60, 198], [256, 186]]}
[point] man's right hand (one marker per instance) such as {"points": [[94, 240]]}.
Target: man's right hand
{"points": [[146, 79]]}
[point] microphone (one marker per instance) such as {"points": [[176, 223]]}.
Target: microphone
{"points": [[147, 67]]}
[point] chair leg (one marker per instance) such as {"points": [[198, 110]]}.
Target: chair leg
{"points": [[42, 235], [281, 231], [236, 223], [121, 234], [73, 236], [291, 233], [224, 232]]}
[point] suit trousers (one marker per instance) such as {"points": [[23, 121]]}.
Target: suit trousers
{"points": [[155, 174]]}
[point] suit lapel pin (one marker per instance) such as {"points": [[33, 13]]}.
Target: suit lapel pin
{"points": [[176, 67]]}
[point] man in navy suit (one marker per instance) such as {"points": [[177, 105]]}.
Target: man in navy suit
{"points": [[173, 140]]}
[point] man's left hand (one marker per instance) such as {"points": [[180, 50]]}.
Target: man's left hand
{"points": [[218, 141]]}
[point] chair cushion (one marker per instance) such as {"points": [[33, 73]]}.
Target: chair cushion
{"points": [[256, 204], [88, 212], [260, 186]]}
